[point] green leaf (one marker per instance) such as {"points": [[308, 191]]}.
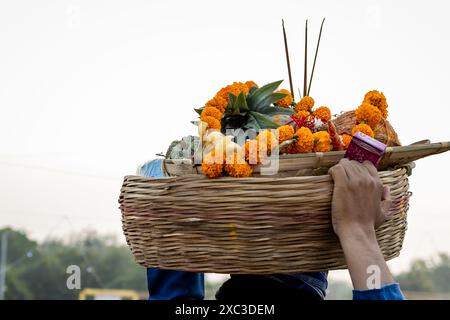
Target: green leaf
{"points": [[199, 110], [262, 93], [272, 111], [241, 102], [270, 99], [252, 123], [232, 102], [265, 122], [252, 90]]}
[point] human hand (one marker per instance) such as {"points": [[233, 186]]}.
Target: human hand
{"points": [[360, 202]]}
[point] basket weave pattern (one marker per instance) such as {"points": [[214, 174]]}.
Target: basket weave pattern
{"points": [[266, 224]]}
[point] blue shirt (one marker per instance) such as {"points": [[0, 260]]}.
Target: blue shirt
{"points": [[170, 284]]}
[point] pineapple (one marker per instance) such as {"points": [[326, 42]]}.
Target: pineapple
{"points": [[254, 110]]}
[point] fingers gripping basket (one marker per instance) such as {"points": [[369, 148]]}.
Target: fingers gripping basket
{"points": [[253, 225]]}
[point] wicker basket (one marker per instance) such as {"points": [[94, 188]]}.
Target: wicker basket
{"points": [[384, 132], [255, 225]]}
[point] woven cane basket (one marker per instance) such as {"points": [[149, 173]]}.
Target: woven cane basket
{"points": [[255, 225]]}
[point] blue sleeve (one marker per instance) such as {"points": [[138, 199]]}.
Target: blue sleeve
{"points": [[388, 292], [170, 284]]}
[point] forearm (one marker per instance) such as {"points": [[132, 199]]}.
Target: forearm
{"points": [[364, 258]]}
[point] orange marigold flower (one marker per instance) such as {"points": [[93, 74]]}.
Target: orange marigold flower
{"points": [[305, 104], [235, 89], [322, 141], [212, 112], [238, 167], [285, 132], [239, 170], [217, 102], [364, 128], [378, 100], [252, 154], [305, 140], [302, 114], [267, 140], [286, 101], [322, 113], [369, 114], [250, 84], [213, 123], [346, 139], [210, 168]]}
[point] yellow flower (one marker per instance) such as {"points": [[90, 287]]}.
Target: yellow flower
{"points": [[210, 168], [346, 139], [364, 128], [238, 167], [369, 114], [213, 123], [211, 111], [305, 141], [217, 102], [285, 133], [286, 101], [322, 141], [378, 100], [322, 113], [305, 104]]}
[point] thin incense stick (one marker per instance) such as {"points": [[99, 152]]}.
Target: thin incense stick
{"points": [[306, 60], [315, 57], [287, 59]]}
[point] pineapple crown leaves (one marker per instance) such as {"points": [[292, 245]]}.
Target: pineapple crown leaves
{"points": [[255, 110]]}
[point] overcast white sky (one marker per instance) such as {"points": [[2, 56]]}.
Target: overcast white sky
{"points": [[90, 89]]}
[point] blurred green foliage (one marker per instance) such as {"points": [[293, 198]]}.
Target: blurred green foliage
{"points": [[38, 270]]}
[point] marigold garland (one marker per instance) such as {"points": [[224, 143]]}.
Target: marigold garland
{"points": [[312, 136], [286, 101], [211, 111], [236, 88], [250, 84], [217, 102], [378, 100], [364, 128], [322, 141], [305, 104], [238, 167], [301, 115], [369, 114], [346, 139], [266, 140], [213, 123], [254, 154], [323, 113], [285, 132], [251, 152], [210, 168], [305, 140]]}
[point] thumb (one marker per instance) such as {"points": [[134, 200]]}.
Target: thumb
{"points": [[386, 201]]}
